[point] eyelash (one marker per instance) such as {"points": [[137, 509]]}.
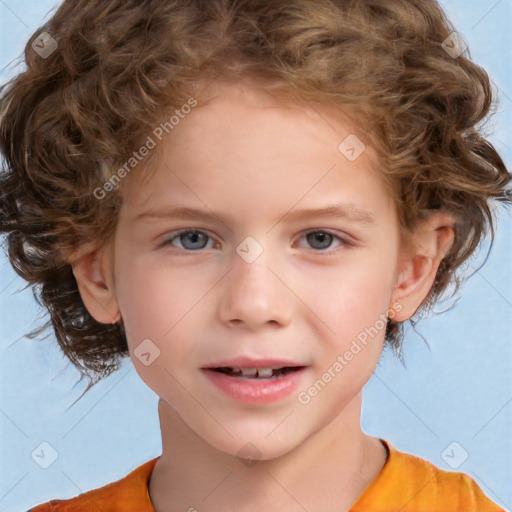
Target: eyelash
{"points": [[342, 242]]}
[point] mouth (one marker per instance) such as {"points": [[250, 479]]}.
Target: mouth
{"points": [[255, 381], [256, 373]]}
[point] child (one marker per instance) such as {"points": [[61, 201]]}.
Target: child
{"points": [[232, 193]]}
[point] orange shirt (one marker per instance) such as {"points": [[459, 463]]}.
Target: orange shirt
{"points": [[405, 484]]}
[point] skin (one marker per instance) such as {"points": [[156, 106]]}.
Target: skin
{"points": [[250, 162]]}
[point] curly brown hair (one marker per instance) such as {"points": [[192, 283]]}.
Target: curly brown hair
{"points": [[120, 65]]}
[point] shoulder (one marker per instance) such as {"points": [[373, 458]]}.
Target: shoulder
{"points": [[409, 483], [130, 494]]}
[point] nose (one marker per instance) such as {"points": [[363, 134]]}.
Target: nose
{"points": [[254, 297]]}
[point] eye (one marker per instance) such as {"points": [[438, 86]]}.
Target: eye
{"points": [[191, 240], [196, 240], [320, 240]]}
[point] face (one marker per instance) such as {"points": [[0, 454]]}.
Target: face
{"points": [[254, 271]]}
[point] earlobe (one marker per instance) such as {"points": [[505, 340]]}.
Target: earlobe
{"points": [[417, 271], [93, 273]]}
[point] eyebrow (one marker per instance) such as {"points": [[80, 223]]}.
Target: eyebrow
{"points": [[339, 210]]}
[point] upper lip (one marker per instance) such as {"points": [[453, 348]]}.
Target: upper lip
{"points": [[250, 362]]}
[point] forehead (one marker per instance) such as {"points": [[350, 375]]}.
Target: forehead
{"points": [[276, 115], [239, 137]]}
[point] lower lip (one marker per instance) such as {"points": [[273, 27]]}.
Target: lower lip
{"points": [[256, 391]]}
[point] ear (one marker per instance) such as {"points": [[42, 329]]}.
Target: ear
{"points": [[93, 271], [431, 241]]}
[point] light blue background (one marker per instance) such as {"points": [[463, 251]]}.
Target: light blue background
{"points": [[459, 389]]}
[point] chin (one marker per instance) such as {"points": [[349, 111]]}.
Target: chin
{"points": [[253, 448]]}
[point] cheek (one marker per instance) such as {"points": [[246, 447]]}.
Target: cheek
{"points": [[352, 295], [154, 297], [167, 306], [156, 303], [353, 303]]}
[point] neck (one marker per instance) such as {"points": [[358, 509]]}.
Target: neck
{"points": [[326, 472]]}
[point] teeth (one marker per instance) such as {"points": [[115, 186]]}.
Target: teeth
{"points": [[265, 372], [249, 372], [254, 373], [262, 373]]}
